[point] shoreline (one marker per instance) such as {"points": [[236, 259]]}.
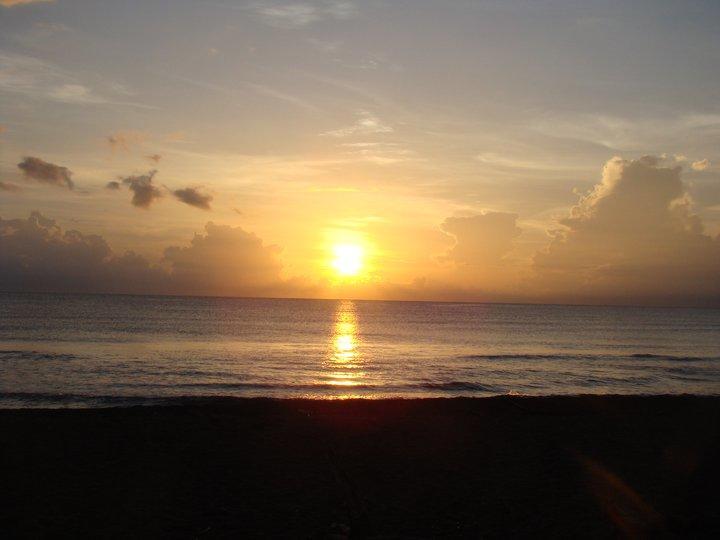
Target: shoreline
{"points": [[592, 465], [150, 402]]}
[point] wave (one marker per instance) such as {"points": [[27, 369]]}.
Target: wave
{"points": [[25, 399], [196, 391], [427, 385], [541, 356], [649, 356], [34, 355]]}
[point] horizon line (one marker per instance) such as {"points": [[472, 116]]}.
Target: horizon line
{"points": [[299, 298]]}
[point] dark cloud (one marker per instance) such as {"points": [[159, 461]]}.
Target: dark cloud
{"points": [[633, 238], [144, 191], [37, 255], [48, 173], [193, 197], [113, 185], [6, 186]]}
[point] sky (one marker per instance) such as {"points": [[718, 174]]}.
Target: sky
{"points": [[505, 151]]}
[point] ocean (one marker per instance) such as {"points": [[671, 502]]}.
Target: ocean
{"points": [[114, 350]]}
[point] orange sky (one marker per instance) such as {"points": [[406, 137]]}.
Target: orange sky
{"points": [[489, 152]]}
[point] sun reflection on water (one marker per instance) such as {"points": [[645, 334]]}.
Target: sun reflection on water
{"points": [[345, 362]]}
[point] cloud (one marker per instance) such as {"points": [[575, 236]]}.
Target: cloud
{"points": [[366, 124], [226, 261], [31, 77], [380, 153], [74, 93], [482, 239], [479, 254], [633, 238], [47, 173], [124, 140], [194, 198], [299, 14], [11, 3], [113, 185], [155, 158], [144, 191], [37, 255], [700, 165], [12, 188]]}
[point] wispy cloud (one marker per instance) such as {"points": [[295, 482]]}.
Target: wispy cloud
{"points": [[13, 3], [32, 77], [255, 87], [380, 153], [366, 124], [74, 93], [124, 140], [7, 186], [300, 14]]}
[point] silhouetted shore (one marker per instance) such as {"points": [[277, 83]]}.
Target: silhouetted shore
{"points": [[571, 466]]}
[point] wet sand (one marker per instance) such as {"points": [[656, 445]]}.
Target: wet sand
{"points": [[575, 466]]}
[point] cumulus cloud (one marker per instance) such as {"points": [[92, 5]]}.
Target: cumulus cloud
{"points": [[144, 191], [193, 197], [7, 186], [37, 255], [481, 239], [226, 261], [47, 173], [112, 185], [11, 3], [700, 165], [633, 238], [479, 254]]}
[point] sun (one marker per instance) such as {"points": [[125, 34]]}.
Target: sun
{"points": [[347, 259]]}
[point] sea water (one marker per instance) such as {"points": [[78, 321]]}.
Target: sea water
{"points": [[105, 350]]}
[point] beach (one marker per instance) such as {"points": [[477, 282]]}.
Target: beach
{"points": [[590, 466]]}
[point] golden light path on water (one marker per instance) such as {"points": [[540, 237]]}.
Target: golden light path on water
{"points": [[345, 361]]}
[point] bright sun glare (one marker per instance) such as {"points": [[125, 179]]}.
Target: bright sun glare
{"points": [[347, 259]]}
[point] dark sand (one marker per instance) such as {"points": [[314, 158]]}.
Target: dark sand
{"points": [[572, 467]]}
